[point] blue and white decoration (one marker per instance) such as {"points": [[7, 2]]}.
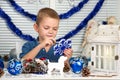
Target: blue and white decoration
{"points": [[76, 64], [1, 64], [61, 46], [14, 67], [66, 15]]}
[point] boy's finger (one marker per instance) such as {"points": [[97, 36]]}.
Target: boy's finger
{"points": [[53, 40]]}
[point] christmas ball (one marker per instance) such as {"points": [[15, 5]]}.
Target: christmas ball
{"points": [[14, 67], [1, 64], [76, 64]]}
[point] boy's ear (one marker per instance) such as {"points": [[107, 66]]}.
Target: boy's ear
{"points": [[35, 27]]}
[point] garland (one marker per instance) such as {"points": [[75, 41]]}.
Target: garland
{"points": [[62, 16], [84, 22], [68, 35], [14, 28]]}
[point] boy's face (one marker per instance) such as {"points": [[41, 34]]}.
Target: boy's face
{"points": [[48, 28]]}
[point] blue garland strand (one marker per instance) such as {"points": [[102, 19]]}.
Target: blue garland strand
{"points": [[21, 10], [84, 22], [14, 28], [73, 10], [68, 35], [62, 16]]}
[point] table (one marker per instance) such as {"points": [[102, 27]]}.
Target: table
{"points": [[66, 76]]}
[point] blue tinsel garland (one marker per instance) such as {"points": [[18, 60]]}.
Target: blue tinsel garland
{"points": [[68, 35], [84, 22], [14, 28], [62, 16]]}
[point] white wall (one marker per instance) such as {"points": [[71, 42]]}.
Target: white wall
{"points": [[118, 11]]}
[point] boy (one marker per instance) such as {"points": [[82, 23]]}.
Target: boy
{"points": [[47, 27]]}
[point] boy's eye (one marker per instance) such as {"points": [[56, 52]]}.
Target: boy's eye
{"points": [[46, 27], [55, 28]]}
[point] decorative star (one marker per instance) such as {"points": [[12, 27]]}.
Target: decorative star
{"points": [[61, 46]]}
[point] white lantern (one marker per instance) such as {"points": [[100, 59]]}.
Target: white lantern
{"points": [[105, 49]]}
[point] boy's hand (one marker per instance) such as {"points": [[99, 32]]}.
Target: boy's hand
{"points": [[48, 42], [68, 53]]}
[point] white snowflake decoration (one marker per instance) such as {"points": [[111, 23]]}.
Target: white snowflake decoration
{"points": [[61, 46]]}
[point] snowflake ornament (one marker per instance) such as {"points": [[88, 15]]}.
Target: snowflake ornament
{"points": [[61, 46]]}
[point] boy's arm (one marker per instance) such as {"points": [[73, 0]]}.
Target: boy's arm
{"points": [[31, 54]]}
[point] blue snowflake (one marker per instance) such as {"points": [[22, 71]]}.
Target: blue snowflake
{"points": [[61, 46]]}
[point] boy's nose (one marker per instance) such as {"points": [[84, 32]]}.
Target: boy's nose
{"points": [[50, 31]]}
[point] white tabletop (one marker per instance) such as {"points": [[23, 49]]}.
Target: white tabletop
{"points": [[65, 76]]}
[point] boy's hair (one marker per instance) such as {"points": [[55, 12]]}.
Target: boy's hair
{"points": [[46, 12]]}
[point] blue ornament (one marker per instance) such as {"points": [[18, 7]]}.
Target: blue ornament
{"points": [[61, 46], [1, 64], [14, 67], [76, 64]]}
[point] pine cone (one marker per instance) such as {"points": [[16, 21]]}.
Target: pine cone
{"points": [[6, 58], [1, 72], [66, 68], [85, 72]]}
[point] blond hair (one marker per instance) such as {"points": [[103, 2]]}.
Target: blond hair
{"points": [[46, 12]]}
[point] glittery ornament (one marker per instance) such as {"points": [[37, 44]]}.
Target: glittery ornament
{"points": [[1, 64], [61, 46], [14, 67], [76, 64], [85, 60]]}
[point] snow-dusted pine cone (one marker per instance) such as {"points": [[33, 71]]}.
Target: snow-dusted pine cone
{"points": [[35, 66], [85, 72]]}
